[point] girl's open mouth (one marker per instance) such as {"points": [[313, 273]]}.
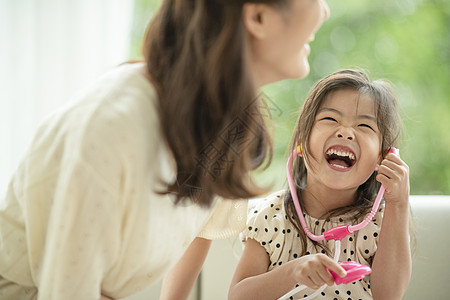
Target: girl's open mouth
{"points": [[340, 158]]}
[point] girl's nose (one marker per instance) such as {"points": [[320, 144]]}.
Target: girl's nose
{"points": [[345, 133]]}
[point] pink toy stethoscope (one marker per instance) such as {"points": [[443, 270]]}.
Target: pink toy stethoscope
{"points": [[355, 271]]}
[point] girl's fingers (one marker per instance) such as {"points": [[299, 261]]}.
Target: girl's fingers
{"points": [[386, 172], [392, 170], [325, 276], [321, 276], [314, 282], [395, 163], [389, 164], [393, 174], [392, 167], [333, 266], [317, 279], [314, 270]]}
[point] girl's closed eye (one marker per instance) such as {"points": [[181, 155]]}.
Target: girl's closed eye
{"points": [[371, 127], [365, 125], [329, 119]]}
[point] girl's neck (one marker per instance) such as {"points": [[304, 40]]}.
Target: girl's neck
{"points": [[319, 200]]}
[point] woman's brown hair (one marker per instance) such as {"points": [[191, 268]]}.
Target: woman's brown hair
{"points": [[389, 124], [196, 57]]}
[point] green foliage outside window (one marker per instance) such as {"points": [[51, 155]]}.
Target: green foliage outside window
{"points": [[406, 42]]}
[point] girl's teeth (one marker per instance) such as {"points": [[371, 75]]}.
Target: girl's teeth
{"points": [[339, 166], [341, 153]]}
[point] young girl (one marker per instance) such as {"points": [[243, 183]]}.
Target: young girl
{"points": [[343, 133]]}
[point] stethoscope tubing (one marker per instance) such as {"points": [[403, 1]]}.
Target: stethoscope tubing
{"points": [[343, 230], [350, 228]]}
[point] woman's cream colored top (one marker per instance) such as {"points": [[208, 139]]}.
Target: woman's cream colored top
{"points": [[81, 216]]}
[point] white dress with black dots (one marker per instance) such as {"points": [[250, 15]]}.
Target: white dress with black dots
{"points": [[83, 216], [268, 224]]}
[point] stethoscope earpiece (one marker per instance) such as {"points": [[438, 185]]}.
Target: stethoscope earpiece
{"points": [[300, 149], [392, 150]]}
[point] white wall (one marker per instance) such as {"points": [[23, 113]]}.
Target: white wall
{"points": [[48, 50]]}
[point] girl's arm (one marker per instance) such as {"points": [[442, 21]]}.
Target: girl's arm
{"points": [[178, 283], [392, 261], [251, 279]]}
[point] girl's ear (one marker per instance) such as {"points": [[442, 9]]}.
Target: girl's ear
{"points": [[380, 159], [255, 19]]}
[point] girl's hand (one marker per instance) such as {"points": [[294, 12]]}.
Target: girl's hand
{"points": [[312, 270], [393, 173]]}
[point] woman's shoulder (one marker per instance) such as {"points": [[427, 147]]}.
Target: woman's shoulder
{"points": [[121, 103], [115, 117], [122, 93]]}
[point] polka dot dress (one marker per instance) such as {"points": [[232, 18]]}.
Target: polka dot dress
{"points": [[268, 224]]}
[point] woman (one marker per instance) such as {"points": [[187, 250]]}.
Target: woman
{"points": [[116, 187]]}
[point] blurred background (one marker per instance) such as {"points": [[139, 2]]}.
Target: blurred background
{"points": [[406, 42], [51, 48]]}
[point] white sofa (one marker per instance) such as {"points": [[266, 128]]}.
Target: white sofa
{"points": [[431, 270]]}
